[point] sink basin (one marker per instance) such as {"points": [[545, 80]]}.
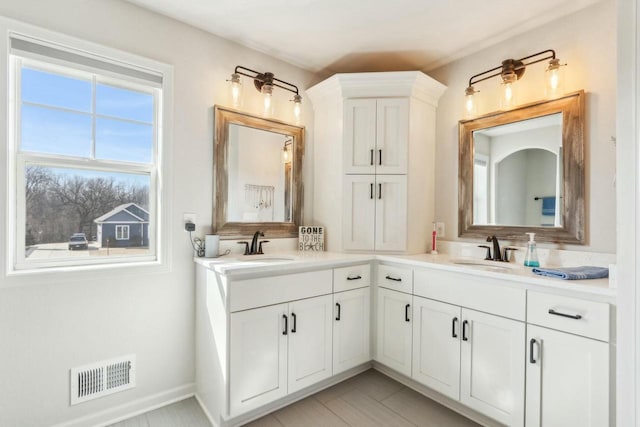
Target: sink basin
{"points": [[266, 260], [484, 264]]}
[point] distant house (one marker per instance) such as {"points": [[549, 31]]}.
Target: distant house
{"points": [[124, 226]]}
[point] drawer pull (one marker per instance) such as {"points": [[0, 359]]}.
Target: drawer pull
{"points": [[358, 277], [406, 313], [338, 316], [395, 279], [371, 162], [570, 316], [464, 331], [286, 324], [453, 327], [293, 330], [531, 344]]}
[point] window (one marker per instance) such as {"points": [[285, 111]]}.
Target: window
{"points": [[86, 137], [122, 232]]}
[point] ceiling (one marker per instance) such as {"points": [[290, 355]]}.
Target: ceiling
{"points": [[338, 35]]}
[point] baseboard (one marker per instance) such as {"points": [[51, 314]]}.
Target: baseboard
{"points": [[437, 397], [133, 408], [206, 412]]}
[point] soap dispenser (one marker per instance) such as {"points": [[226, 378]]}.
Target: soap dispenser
{"points": [[531, 259]]}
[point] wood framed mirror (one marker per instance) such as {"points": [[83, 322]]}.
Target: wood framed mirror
{"points": [[257, 176], [522, 171]]}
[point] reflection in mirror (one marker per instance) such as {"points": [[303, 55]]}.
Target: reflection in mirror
{"points": [[260, 170], [522, 170], [515, 173], [257, 176]]}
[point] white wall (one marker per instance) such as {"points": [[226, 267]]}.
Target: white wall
{"points": [[586, 41], [49, 323]]}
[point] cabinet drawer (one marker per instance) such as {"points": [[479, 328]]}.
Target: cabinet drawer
{"points": [[352, 277], [588, 318], [245, 294], [396, 278]]}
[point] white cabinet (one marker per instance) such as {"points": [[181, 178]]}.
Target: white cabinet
{"points": [[492, 370], [376, 135], [382, 126], [436, 346], [394, 330], [375, 212], [351, 329], [567, 380], [258, 349], [470, 356], [567, 370], [277, 350], [310, 341]]}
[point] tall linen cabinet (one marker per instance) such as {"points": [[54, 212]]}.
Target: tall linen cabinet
{"points": [[374, 160]]}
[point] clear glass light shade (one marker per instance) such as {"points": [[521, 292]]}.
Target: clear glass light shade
{"points": [[508, 95], [554, 76], [286, 154], [267, 99], [297, 107], [470, 103], [235, 89]]}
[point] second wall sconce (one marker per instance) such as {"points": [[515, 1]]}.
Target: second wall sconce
{"points": [[511, 71], [264, 83]]}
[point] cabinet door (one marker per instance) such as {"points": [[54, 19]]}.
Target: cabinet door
{"points": [[351, 329], [392, 135], [310, 343], [358, 225], [394, 330], [492, 366], [258, 357], [391, 213], [359, 129], [567, 380], [436, 346]]}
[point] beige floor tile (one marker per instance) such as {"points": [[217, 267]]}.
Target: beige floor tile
{"points": [[266, 421], [308, 412], [360, 410], [337, 390], [425, 412], [376, 385]]}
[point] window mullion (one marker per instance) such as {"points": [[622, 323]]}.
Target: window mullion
{"points": [[93, 117]]}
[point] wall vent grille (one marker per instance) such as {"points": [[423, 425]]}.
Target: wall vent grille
{"points": [[102, 378]]}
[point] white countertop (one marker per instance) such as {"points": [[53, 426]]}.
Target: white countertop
{"points": [[240, 267]]}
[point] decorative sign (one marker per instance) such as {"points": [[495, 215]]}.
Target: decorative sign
{"points": [[310, 238]]}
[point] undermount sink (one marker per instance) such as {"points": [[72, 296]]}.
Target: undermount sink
{"points": [[485, 264], [266, 259]]}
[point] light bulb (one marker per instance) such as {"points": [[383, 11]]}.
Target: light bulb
{"points": [[267, 101], [508, 98], [297, 107], [286, 158], [470, 106], [553, 87], [236, 90]]}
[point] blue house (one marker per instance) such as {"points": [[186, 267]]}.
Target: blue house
{"points": [[124, 226]]}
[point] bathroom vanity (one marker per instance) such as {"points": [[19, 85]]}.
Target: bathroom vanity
{"points": [[491, 341]]}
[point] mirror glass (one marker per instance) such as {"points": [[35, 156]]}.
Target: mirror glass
{"points": [[516, 171], [260, 172], [257, 175], [522, 170]]}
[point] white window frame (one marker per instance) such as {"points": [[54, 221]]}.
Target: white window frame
{"points": [[13, 266], [122, 228]]}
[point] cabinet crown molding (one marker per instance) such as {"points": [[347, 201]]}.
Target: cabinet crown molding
{"points": [[414, 84]]}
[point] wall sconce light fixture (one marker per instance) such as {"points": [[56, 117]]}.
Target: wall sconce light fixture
{"points": [[264, 83], [511, 71], [286, 151]]}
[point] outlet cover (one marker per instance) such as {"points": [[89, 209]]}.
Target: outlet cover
{"points": [[189, 217], [440, 229]]}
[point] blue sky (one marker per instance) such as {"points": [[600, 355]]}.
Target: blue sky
{"points": [[62, 132]]}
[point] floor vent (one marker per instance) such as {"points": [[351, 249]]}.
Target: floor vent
{"points": [[102, 378]]}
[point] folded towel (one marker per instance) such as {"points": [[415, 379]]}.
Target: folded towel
{"points": [[574, 273]]}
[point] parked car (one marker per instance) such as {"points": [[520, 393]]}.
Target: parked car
{"points": [[78, 241]]}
